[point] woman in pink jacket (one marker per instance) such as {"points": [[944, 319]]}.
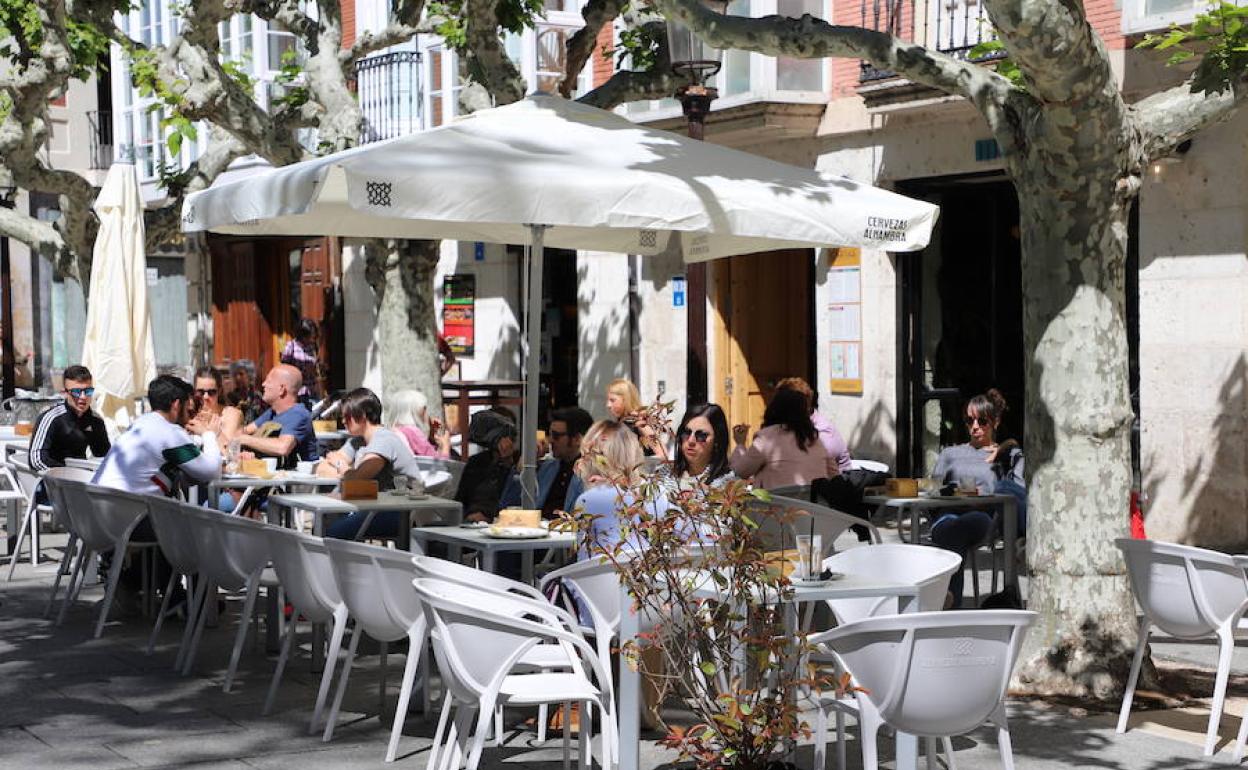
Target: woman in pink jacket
{"points": [[407, 413], [786, 451]]}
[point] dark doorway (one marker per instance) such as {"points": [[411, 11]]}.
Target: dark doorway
{"points": [[560, 356], [960, 317]]}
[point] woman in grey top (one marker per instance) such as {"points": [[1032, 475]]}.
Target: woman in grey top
{"points": [[373, 452], [993, 468]]}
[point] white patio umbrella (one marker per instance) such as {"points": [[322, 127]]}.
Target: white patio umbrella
{"points": [[118, 343], [547, 171]]}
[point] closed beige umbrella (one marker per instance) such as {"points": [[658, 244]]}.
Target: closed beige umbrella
{"points": [[117, 347]]}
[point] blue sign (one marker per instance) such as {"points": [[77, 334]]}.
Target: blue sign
{"points": [[478, 251], [678, 291]]}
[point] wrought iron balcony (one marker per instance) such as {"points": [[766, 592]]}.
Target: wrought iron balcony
{"points": [[388, 86], [101, 140], [953, 27]]}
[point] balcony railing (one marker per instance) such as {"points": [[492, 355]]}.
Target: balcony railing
{"points": [[101, 143], [953, 27], [388, 87]]}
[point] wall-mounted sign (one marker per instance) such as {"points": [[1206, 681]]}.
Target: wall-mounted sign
{"points": [[459, 300], [844, 321], [678, 291]]}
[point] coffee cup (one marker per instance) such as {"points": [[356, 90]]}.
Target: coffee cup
{"points": [[270, 465], [305, 467]]}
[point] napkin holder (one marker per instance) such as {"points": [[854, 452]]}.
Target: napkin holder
{"points": [[518, 517], [254, 467], [358, 489], [325, 426], [901, 487]]}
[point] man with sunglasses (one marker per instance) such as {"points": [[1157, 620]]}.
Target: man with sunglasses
{"points": [[557, 483], [70, 428]]}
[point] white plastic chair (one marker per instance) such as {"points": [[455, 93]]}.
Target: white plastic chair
{"points": [[103, 519], [596, 585], [233, 556], [181, 550], [376, 584], [930, 674], [22, 482], [1189, 593], [927, 567], [478, 638], [453, 467], [307, 574], [829, 522], [868, 465]]}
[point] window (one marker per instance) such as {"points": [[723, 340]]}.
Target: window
{"points": [[1152, 15], [281, 44], [799, 74]]}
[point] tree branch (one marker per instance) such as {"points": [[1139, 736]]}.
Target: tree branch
{"points": [[631, 86], [1167, 118], [811, 38], [581, 46], [487, 61], [1060, 55]]}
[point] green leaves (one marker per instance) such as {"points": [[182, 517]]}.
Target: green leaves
{"points": [[994, 50], [1219, 37], [637, 45]]}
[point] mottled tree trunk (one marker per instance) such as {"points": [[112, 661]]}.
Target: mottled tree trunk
{"points": [[1074, 231], [402, 273]]}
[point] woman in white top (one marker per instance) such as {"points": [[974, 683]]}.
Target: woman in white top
{"points": [[787, 450]]}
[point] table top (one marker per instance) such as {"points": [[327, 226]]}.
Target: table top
{"points": [[386, 501], [942, 501], [481, 384], [332, 435], [242, 481], [87, 463], [477, 539], [849, 586]]}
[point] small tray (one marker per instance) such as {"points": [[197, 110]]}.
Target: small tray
{"points": [[516, 533]]}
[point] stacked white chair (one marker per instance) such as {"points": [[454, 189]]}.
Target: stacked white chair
{"points": [[829, 523], [181, 550], [103, 519], [454, 467], [233, 556], [22, 482], [376, 584], [929, 674], [928, 568], [307, 574], [478, 638], [52, 481], [1189, 593]]}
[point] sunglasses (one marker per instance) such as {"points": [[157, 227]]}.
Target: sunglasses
{"points": [[700, 436], [205, 391], [81, 392], [556, 434], [972, 421]]}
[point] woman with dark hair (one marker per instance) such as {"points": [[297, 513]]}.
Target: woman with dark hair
{"points": [[209, 392], [991, 467], [701, 448], [301, 352], [787, 450], [373, 452]]}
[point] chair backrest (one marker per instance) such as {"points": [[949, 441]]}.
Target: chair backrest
{"points": [[172, 533], [454, 572], [829, 523], [932, 673], [51, 481], [376, 584], [27, 478], [105, 515], [794, 491], [306, 571], [868, 465], [1187, 592], [597, 586], [453, 467], [924, 566], [231, 548]]}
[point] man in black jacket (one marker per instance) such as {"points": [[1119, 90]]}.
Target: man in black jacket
{"points": [[71, 428]]}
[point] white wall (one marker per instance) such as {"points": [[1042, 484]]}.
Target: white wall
{"points": [[602, 326]]}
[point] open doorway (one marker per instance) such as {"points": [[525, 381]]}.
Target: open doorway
{"points": [[560, 346]]}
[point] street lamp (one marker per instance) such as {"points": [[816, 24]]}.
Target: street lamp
{"points": [[8, 364], [696, 62]]}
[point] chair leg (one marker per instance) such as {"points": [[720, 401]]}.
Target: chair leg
{"points": [[331, 661], [287, 641], [384, 673], [543, 715], [868, 727], [567, 735], [949, 760], [1240, 737], [328, 735], [76, 578], [439, 735], [405, 695], [1141, 644], [1004, 744], [973, 563], [194, 606], [244, 624], [67, 561], [460, 735], [1226, 646], [200, 618], [840, 740], [114, 575], [15, 556], [485, 713], [582, 737], [160, 615]]}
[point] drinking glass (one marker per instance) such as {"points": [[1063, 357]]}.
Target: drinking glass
{"points": [[416, 486], [400, 484], [809, 551]]}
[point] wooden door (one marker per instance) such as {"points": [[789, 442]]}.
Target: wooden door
{"points": [[240, 326], [763, 329]]}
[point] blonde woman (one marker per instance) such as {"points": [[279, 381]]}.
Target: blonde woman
{"points": [[407, 414], [624, 405]]}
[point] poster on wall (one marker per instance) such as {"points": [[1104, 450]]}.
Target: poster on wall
{"points": [[844, 321], [459, 300]]}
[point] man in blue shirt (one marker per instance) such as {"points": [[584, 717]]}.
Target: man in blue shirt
{"points": [[284, 430], [558, 486]]}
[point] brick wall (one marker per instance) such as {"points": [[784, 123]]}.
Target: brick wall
{"points": [[603, 67], [1105, 16], [348, 22]]}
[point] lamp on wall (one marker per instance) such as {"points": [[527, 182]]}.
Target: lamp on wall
{"points": [[1175, 156]]}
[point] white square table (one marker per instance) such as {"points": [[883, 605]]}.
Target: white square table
{"points": [[249, 484], [490, 547], [320, 505], [848, 587]]}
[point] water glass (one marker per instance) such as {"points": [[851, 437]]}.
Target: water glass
{"points": [[416, 486], [809, 555], [400, 484]]}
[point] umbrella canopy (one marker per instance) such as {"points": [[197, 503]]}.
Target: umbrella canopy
{"points": [[548, 171], [118, 341], [600, 181]]}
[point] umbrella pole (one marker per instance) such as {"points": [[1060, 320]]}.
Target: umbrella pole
{"points": [[532, 367]]}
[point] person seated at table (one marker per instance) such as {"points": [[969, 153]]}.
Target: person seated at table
{"points": [[284, 430], [611, 458], [407, 413], [624, 405], [558, 484], [372, 452], [70, 428], [786, 451], [994, 468], [208, 392], [302, 352], [243, 393], [486, 473], [701, 451]]}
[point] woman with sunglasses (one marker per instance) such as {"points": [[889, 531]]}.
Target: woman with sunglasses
{"points": [[701, 450], [993, 468], [208, 393]]}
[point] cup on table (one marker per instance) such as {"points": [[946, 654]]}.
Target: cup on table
{"points": [[400, 484], [929, 487], [23, 427], [270, 465], [967, 485], [809, 557], [305, 467], [416, 486]]}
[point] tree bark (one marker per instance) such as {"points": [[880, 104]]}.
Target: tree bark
{"points": [[401, 274], [1074, 233]]}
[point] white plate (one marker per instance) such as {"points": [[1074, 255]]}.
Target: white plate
{"points": [[517, 533], [475, 524]]}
